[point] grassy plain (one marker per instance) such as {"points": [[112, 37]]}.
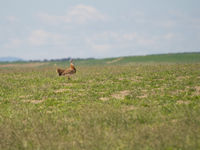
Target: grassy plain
{"points": [[109, 104]]}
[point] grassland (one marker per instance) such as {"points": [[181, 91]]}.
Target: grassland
{"points": [[119, 103]]}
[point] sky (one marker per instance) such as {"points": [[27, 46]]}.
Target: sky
{"points": [[53, 29]]}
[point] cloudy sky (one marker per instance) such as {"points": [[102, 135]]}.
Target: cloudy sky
{"points": [[45, 29]]}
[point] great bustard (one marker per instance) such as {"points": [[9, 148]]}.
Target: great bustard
{"points": [[67, 72]]}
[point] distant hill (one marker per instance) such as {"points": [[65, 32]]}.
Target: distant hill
{"points": [[10, 59], [157, 58]]}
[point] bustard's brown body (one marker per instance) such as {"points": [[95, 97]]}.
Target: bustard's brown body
{"points": [[67, 72]]}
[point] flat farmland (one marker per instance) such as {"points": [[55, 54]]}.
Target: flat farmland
{"points": [[108, 104]]}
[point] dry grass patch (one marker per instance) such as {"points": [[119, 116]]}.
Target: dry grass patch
{"points": [[180, 78], [144, 93], [67, 84], [121, 94], [33, 101], [142, 96], [104, 98], [23, 65], [121, 79], [128, 108], [176, 92], [182, 102], [115, 60], [136, 78], [25, 96], [197, 91], [79, 94], [61, 90]]}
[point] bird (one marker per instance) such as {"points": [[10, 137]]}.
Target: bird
{"points": [[67, 72]]}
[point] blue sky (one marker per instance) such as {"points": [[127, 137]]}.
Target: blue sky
{"points": [[46, 29]]}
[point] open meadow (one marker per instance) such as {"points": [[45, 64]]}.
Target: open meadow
{"points": [[109, 104]]}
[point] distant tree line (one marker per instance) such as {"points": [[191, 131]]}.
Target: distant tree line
{"points": [[60, 59]]}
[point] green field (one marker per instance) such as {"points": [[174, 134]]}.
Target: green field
{"points": [[141, 103]]}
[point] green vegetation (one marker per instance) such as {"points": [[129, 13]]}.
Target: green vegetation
{"points": [[162, 58], [119, 103]]}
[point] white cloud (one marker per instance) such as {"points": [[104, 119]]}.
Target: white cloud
{"points": [[101, 47], [12, 19], [98, 47], [84, 13], [13, 43], [37, 38], [51, 19], [120, 43], [79, 14], [170, 36], [41, 37], [123, 38], [167, 23], [129, 36]]}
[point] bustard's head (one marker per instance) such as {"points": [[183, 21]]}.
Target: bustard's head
{"points": [[71, 63]]}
